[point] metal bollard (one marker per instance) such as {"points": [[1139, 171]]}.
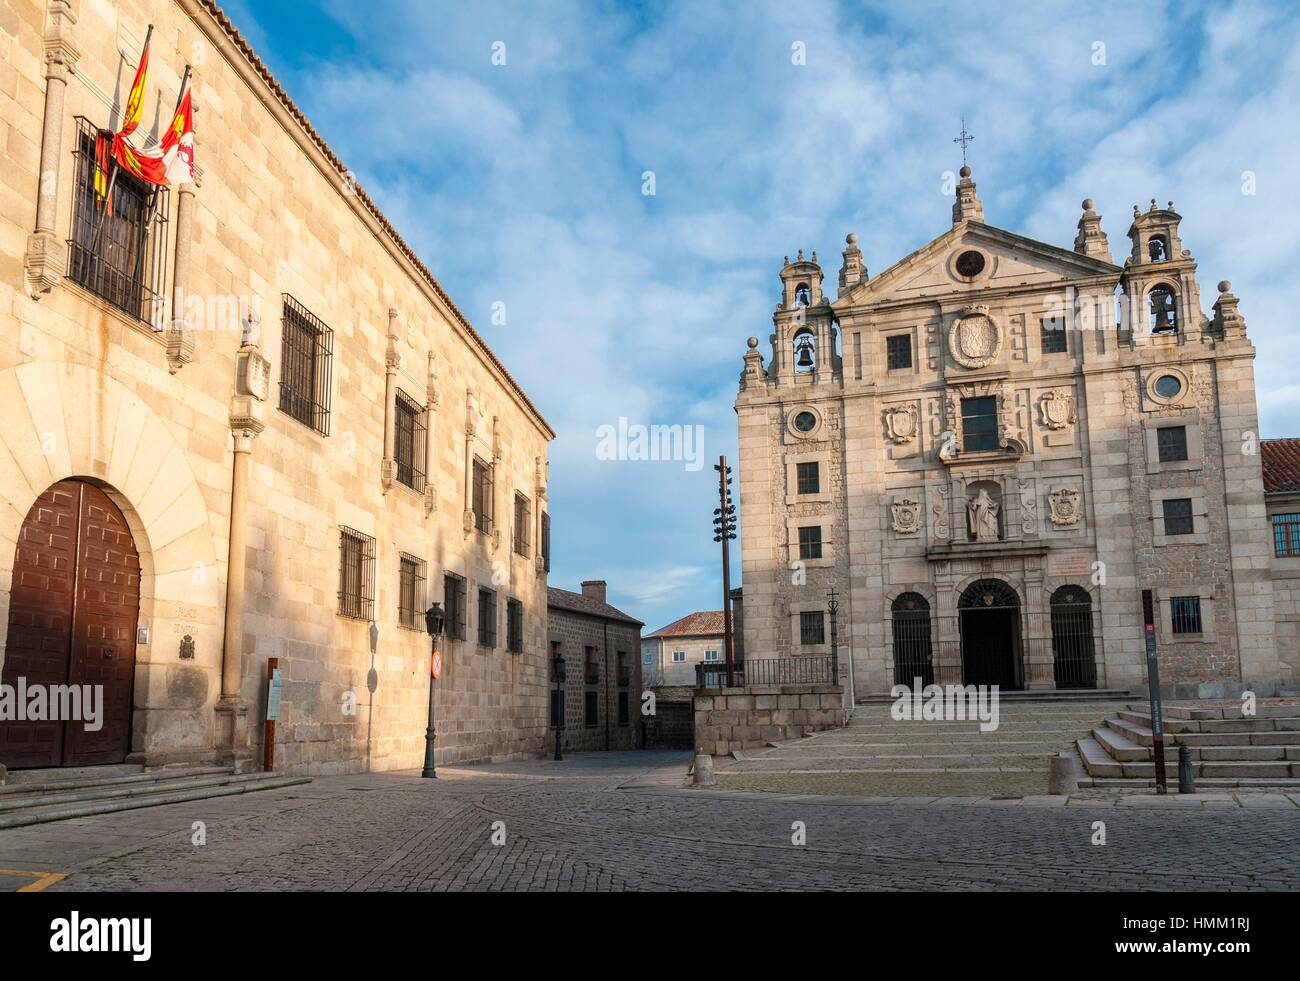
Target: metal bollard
{"points": [[1186, 781]]}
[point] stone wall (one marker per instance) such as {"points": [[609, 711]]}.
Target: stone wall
{"points": [[575, 633], [672, 726], [739, 718]]}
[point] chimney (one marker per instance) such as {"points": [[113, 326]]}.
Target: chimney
{"points": [[595, 589]]}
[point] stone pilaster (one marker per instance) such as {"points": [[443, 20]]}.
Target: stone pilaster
{"points": [[392, 360]]}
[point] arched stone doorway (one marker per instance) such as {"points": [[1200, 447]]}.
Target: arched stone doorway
{"points": [[990, 635], [913, 654], [73, 611], [1074, 659]]}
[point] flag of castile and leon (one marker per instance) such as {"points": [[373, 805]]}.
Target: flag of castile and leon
{"points": [[171, 162]]}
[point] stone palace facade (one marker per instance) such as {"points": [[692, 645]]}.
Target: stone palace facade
{"points": [[1001, 454], [240, 419]]}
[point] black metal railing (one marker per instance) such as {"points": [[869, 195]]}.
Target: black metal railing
{"points": [[808, 669]]}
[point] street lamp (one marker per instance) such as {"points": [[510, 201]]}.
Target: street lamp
{"points": [[433, 620], [559, 705]]}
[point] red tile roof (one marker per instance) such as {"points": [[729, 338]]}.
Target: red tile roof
{"points": [[706, 623], [563, 599], [1281, 465]]}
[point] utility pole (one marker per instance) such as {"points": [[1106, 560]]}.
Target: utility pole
{"points": [[724, 531]]}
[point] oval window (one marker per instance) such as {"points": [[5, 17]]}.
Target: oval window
{"points": [[1168, 387], [970, 263], [805, 422]]}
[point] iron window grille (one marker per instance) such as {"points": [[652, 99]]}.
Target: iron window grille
{"points": [[591, 666], [979, 423], [514, 626], [812, 627], [306, 355], [624, 669], [898, 352], [487, 618], [523, 525], [482, 499], [810, 542], [356, 575], [1052, 336], [592, 709], [1286, 535], [546, 541], [622, 708], [118, 253], [454, 602], [1171, 443], [1185, 614], [410, 592], [808, 478], [1178, 516], [409, 436]]}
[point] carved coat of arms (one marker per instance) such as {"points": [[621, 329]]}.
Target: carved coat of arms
{"points": [[901, 423], [1057, 408], [1064, 503], [974, 339], [907, 515]]}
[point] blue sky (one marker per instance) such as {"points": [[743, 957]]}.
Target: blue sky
{"points": [[522, 183]]}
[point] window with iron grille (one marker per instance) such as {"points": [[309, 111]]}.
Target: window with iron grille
{"points": [[356, 575], [1286, 535], [523, 525], [454, 603], [898, 351], [622, 708], [592, 709], [1185, 614], [810, 542], [487, 618], [409, 436], [979, 423], [1178, 516], [812, 628], [546, 541], [482, 501], [410, 592], [808, 477], [591, 666], [118, 247], [1052, 335], [306, 354], [1171, 443], [624, 668], [514, 626]]}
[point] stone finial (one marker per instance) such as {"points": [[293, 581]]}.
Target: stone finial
{"points": [[1091, 240], [853, 271], [752, 343], [1228, 322], [753, 372], [967, 207]]}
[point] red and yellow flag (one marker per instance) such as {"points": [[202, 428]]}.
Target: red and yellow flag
{"points": [[147, 165]]}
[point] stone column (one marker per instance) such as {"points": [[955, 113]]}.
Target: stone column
{"points": [[432, 398], [470, 432], [388, 469], [46, 258], [252, 383], [180, 339]]}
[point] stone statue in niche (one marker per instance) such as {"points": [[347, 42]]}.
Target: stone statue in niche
{"points": [[982, 517], [907, 515]]}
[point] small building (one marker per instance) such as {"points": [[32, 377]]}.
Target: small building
{"points": [[602, 686], [1281, 462], [670, 654]]}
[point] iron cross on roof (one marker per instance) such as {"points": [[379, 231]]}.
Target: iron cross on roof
{"points": [[963, 138]]}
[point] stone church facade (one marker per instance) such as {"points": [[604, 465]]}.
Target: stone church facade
{"points": [[1001, 454], [241, 420]]}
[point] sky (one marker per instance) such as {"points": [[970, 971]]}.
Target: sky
{"points": [[514, 146]]}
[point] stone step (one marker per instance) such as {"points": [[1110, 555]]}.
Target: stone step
{"points": [[119, 789], [1172, 726], [1240, 738], [1202, 712], [1029, 698], [1202, 783], [1122, 749], [1238, 769], [1096, 761], [26, 782], [1245, 725], [241, 784]]}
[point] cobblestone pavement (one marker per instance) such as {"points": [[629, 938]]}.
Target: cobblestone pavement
{"points": [[623, 821]]}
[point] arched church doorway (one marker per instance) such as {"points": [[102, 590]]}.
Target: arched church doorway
{"points": [[1074, 660], [990, 635], [72, 622]]}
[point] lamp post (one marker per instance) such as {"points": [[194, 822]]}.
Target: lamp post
{"points": [[559, 705], [833, 608], [433, 620]]}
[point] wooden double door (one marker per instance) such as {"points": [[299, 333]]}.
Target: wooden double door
{"points": [[72, 621]]}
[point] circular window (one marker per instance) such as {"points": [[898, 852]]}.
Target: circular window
{"points": [[970, 263], [1168, 387], [805, 422]]}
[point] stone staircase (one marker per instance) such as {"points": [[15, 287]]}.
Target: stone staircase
{"points": [[38, 796], [1228, 749]]}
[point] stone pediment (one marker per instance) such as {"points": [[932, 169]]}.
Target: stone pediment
{"points": [[1008, 260]]}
